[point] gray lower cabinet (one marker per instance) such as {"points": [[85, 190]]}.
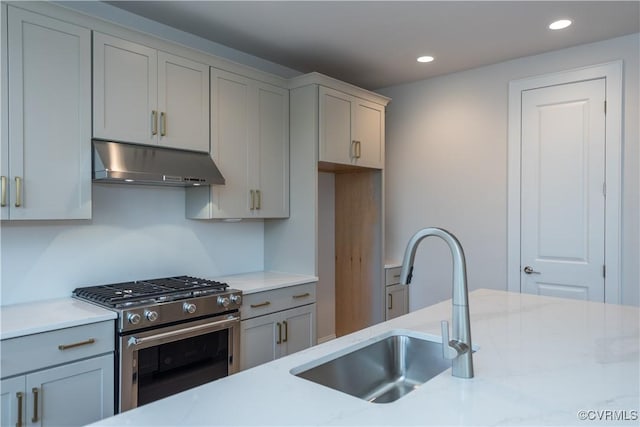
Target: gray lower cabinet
{"points": [[76, 389], [396, 295], [277, 323]]}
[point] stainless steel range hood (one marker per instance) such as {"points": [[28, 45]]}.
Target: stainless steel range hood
{"points": [[121, 162]]}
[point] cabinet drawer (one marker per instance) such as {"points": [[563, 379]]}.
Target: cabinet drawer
{"points": [[32, 352], [266, 302], [392, 275]]}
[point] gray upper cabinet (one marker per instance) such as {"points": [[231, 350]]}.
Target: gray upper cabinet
{"points": [[351, 130], [250, 144], [46, 158], [146, 96]]}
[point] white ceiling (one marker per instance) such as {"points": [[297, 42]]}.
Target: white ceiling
{"points": [[374, 44]]}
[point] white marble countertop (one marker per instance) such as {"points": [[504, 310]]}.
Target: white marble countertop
{"points": [[259, 281], [42, 316], [540, 361]]}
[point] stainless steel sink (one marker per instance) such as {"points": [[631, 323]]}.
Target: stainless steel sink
{"points": [[382, 371]]}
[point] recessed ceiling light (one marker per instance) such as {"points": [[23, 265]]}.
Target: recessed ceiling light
{"points": [[560, 24], [425, 58]]}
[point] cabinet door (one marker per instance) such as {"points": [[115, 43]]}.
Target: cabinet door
{"points": [[124, 90], [272, 152], [50, 120], [335, 143], [397, 301], [258, 340], [299, 329], [12, 401], [4, 117], [231, 144], [74, 394], [183, 103], [368, 131]]}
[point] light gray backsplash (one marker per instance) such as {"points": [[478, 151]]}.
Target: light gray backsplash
{"points": [[136, 233]]}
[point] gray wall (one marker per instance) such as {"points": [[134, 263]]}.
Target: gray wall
{"points": [[136, 233], [447, 166]]}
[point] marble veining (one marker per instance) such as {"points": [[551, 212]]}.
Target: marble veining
{"points": [[540, 361]]}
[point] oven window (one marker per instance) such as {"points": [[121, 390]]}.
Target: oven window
{"points": [[170, 368]]}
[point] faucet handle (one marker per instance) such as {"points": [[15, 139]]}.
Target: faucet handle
{"points": [[448, 351]]}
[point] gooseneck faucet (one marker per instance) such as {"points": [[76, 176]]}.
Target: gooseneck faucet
{"points": [[459, 348]]}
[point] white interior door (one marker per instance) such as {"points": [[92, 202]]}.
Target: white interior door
{"points": [[563, 190]]}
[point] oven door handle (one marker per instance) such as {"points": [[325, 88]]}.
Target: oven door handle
{"points": [[221, 324]]}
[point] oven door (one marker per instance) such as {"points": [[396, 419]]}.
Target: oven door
{"points": [[160, 362]]}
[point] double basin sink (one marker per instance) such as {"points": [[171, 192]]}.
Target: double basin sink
{"points": [[381, 371]]}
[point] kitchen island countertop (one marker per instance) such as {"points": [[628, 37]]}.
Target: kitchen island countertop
{"points": [[541, 361]]}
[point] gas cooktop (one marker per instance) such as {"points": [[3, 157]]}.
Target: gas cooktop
{"points": [[144, 292]]}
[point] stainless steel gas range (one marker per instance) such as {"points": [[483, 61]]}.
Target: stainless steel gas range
{"points": [[173, 334]]}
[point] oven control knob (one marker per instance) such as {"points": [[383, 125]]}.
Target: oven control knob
{"points": [[151, 316], [236, 299], [188, 307], [223, 302], [133, 318]]}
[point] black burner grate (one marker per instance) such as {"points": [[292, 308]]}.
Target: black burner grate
{"points": [[148, 291]]}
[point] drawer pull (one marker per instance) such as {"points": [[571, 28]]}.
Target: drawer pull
{"points": [[35, 405], [20, 396], [76, 344], [396, 276], [262, 304], [306, 294]]}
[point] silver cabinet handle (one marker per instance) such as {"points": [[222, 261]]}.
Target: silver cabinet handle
{"points": [[163, 123], [530, 270], [154, 122], [3, 197], [252, 194], [259, 199], [35, 405], [279, 340], [20, 397], [18, 192], [76, 344]]}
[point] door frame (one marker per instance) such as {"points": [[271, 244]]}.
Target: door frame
{"points": [[612, 73]]}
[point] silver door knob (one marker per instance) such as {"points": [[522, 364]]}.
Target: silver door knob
{"points": [[530, 270]]}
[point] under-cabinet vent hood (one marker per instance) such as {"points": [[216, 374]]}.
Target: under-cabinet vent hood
{"points": [[141, 164]]}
